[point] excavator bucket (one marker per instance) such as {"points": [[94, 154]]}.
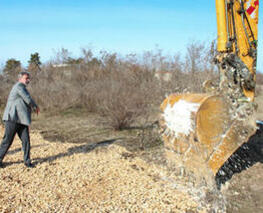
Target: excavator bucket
{"points": [[200, 133]]}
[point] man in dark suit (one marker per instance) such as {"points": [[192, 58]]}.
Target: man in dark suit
{"points": [[17, 118]]}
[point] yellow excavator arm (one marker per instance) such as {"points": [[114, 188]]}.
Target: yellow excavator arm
{"points": [[237, 22], [201, 131]]}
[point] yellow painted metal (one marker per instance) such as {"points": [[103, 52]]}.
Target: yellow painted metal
{"points": [[221, 25], [183, 150], [243, 41], [244, 29], [216, 134], [211, 121], [213, 140]]}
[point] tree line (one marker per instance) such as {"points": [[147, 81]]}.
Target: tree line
{"points": [[123, 90]]}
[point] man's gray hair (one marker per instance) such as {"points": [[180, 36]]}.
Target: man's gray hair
{"points": [[21, 74]]}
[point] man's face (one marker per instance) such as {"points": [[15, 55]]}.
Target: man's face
{"points": [[25, 79]]}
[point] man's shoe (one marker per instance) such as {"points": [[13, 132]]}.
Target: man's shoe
{"points": [[30, 165]]}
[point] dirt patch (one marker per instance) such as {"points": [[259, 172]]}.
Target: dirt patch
{"points": [[244, 192], [97, 169], [242, 174], [75, 126]]}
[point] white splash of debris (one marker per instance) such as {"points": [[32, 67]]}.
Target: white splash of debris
{"points": [[178, 117]]}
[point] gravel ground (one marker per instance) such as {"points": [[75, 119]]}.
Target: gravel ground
{"points": [[103, 177]]}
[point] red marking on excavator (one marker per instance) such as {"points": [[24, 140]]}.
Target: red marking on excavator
{"points": [[250, 10]]}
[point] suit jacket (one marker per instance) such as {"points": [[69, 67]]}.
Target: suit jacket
{"points": [[19, 105]]}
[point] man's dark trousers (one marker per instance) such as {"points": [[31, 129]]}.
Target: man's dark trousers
{"points": [[11, 128]]}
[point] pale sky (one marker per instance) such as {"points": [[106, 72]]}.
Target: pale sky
{"points": [[121, 26]]}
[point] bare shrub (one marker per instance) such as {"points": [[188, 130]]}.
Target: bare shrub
{"points": [[123, 99], [5, 87], [259, 82], [121, 89], [52, 91], [259, 78], [199, 65]]}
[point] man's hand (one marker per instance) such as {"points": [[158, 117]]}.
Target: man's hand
{"points": [[37, 110]]}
